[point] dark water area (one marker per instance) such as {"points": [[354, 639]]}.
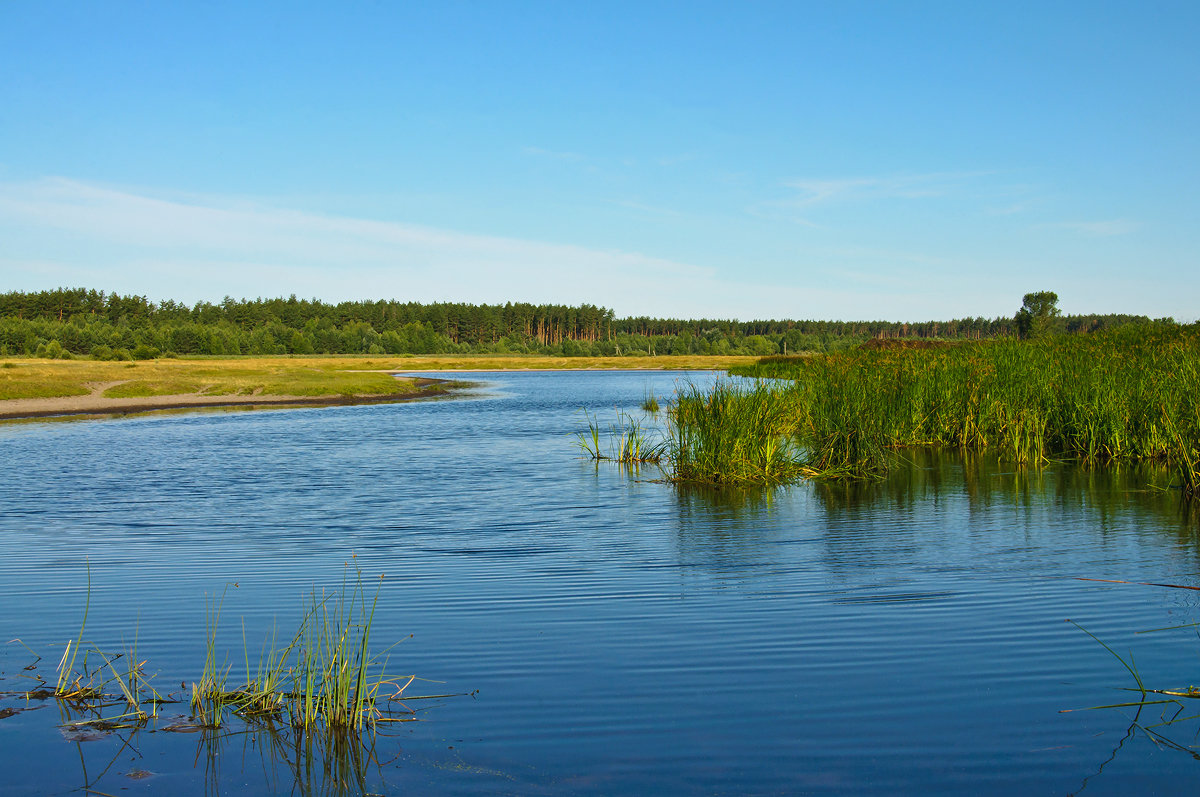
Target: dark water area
{"points": [[620, 635]]}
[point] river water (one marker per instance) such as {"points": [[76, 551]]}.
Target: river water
{"points": [[605, 632]]}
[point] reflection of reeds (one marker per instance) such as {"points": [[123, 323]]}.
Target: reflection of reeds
{"points": [[325, 762]]}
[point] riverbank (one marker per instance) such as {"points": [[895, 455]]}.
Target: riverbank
{"points": [[35, 388], [96, 403]]}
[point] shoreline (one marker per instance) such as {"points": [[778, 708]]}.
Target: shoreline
{"points": [[98, 405]]}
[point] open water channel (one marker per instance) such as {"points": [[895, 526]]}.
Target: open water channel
{"points": [[617, 635]]}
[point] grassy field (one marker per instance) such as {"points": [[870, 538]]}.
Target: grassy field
{"points": [[286, 376], [268, 376]]}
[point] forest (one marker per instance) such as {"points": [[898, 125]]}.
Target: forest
{"points": [[72, 322]]}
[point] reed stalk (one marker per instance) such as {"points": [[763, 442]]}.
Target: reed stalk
{"points": [[628, 442], [71, 684]]}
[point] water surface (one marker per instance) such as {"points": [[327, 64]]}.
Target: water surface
{"points": [[621, 635]]}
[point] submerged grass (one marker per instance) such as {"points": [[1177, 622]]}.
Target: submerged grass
{"points": [[325, 679], [1168, 703], [326, 676]]}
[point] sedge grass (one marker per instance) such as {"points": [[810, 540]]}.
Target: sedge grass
{"points": [[325, 679], [724, 437], [1132, 395], [629, 442], [732, 436], [1167, 702]]}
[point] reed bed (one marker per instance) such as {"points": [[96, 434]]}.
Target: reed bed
{"points": [[1131, 395]]}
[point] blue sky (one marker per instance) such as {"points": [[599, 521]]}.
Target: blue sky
{"points": [[902, 161]]}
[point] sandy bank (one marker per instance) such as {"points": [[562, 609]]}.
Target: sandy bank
{"points": [[98, 404]]}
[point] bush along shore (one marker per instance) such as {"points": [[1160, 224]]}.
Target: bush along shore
{"points": [[1130, 395]]}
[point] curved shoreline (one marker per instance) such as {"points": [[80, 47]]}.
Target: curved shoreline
{"points": [[93, 405]]}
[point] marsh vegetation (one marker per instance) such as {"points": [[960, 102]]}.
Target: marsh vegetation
{"points": [[1131, 395]]}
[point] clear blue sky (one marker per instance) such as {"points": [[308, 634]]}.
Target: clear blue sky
{"points": [[840, 160]]}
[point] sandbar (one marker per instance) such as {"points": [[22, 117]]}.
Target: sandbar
{"points": [[96, 403]]}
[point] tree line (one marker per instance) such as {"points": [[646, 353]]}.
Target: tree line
{"points": [[80, 321]]}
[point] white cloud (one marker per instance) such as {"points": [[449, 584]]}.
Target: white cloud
{"points": [[205, 247], [552, 154], [1101, 229], [186, 247], [913, 186], [808, 194]]}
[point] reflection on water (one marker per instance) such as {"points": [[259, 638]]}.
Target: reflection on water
{"points": [[624, 635]]}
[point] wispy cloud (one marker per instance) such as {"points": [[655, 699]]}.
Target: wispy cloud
{"points": [[808, 194], [223, 245], [552, 154], [1099, 229], [811, 192], [675, 160], [652, 210], [187, 247], [1010, 210]]}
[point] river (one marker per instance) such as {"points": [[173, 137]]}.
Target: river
{"points": [[601, 631]]}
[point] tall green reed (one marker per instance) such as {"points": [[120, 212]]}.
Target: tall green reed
{"points": [[1127, 396], [326, 676], [732, 436], [628, 441]]}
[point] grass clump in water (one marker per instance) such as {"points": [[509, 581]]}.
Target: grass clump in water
{"points": [[326, 678], [732, 436], [628, 442], [728, 436]]}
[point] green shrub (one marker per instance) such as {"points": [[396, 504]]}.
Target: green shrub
{"points": [[52, 350], [144, 352]]}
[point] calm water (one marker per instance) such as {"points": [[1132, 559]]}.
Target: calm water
{"points": [[623, 636]]}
